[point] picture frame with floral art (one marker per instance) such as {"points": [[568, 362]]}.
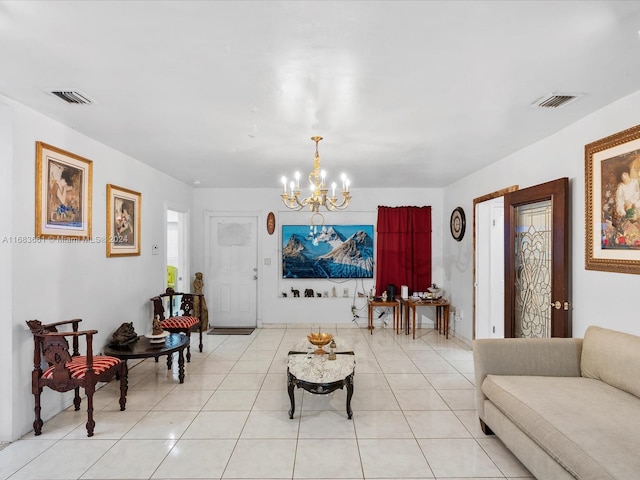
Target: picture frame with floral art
{"points": [[63, 194], [123, 222], [612, 203]]}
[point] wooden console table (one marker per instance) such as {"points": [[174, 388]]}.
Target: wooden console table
{"points": [[442, 313], [378, 302]]}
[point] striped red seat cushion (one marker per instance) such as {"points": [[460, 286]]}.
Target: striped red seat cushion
{"points": [[179, 322], [78, 366]]}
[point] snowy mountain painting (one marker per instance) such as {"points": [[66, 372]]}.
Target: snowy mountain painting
{"points": [[327, 251]]}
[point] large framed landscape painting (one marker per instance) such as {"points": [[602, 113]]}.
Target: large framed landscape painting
{"points": [[612, 203], [63, 194], [327, 251]]}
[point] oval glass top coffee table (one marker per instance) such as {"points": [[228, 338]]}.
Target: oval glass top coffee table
{"points": [[144, 348], [318, 375]]}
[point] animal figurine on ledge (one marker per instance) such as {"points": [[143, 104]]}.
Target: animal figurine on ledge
{"points": [[309, 292], [296, 293]]}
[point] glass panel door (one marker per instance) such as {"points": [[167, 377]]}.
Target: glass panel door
{"points": [[533, 254]]}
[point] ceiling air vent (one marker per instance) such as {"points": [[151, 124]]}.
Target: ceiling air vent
{"points": [[555, 100], [72, 96]]}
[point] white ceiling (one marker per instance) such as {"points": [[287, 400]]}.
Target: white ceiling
{"points": [[405, 93]]}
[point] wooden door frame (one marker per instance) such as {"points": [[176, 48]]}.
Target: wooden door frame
{"points": [[476, 201], [557, 191]]}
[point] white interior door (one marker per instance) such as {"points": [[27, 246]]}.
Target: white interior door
{"points": [[490, 269], [232, 266]]}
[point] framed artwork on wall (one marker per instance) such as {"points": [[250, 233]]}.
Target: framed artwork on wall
{"points": [[327, 251], [612, 203], [63, 193], [123, 222]]}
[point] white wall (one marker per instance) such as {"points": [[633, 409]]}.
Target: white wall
{"points": [[599, 298], [10, 375], [272, 308], [57, 281]]}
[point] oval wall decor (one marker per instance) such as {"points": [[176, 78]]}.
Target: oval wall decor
{"points": [[271, 223]]}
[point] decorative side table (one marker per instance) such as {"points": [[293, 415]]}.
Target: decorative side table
{"points": [[318, 375]]}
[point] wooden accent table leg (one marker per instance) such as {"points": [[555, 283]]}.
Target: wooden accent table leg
{"points": [[124, 384], [414, 323], [180, 365], [349, 383], [446, 321], [290, 385]]}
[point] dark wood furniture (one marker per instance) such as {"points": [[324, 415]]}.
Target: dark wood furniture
{"points": [[410, 305], [323, 378], [67, 371], [183, 320], [144, 348], [378, 302]]}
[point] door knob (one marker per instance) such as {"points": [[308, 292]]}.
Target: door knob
{"points": [[558, 305]]}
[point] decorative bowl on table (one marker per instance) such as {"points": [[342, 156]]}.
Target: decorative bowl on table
{"points": [[319, 340], [435, 292]]}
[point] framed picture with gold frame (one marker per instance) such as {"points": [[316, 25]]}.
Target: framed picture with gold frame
{"points": [[612, 203], [123, 222], [63, 193]]}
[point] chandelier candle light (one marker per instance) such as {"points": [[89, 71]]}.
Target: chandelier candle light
{"points": [[319, 189]]}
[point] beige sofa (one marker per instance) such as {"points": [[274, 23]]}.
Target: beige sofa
{"points": [[566, 407]]}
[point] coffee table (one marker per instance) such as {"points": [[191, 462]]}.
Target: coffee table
{"points": [[318, 375], [144, 348]]}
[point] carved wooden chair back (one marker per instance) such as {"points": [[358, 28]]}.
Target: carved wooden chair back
{"points": [[67, 370], [183, 320]]}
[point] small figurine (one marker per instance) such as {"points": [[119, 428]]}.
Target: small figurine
{"points": [[296, 293], [309, 292], [332, 349], [157, 328], [333, 292], [198, 308], [284, 294], [124, 335]]}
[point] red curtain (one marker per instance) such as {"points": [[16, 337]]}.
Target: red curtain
{"points": [[403, 248]]}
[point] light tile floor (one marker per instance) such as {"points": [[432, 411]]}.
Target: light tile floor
{"points": [[414, 417]]}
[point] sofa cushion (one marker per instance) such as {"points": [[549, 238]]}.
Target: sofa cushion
{"points": [[589, 427], [612, 357]]}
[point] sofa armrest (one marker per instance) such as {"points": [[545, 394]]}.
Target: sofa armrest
{"points": [[552, 357]]}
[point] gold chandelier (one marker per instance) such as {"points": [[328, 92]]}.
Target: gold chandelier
{"points": [[319, 190]]}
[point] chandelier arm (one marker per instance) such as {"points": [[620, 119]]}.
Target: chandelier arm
{"points": [[339, 206], [291, 202]]}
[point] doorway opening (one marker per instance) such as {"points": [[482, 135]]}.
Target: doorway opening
{"points": [[488, 269], [177, 276]]}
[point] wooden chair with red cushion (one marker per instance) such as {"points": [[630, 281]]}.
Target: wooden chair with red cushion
{"points": [[67, 370], [183, 320]]}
